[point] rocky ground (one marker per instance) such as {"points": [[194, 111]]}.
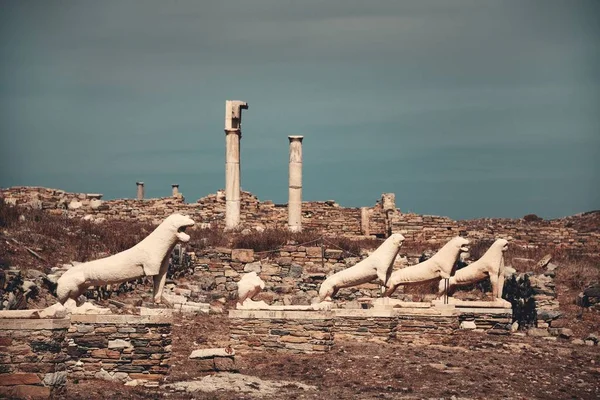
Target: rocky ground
{"points": [[467, 365]]}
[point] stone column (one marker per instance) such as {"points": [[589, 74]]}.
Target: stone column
{"points": [[295, 184], [140, 190], [175, 188], [233, 134], [364, 221]]}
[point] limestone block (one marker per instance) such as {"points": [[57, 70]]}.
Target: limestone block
{"points": [[54, 311], [468, 325], [242, 255], [253, 267], [213, 352], [118, 344]]}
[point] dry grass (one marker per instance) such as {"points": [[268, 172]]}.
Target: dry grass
{"points": [[59, 239]]}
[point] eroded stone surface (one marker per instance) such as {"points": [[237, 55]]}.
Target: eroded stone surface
{"points": [[240, 383]]}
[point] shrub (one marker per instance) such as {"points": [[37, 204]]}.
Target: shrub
{"points": [[9, 215], [532, 218]]}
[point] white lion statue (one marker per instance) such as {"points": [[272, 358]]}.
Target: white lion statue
{"points": [[376, 266], [249, 286], [150, 257], [491, 265], [437, 267]]}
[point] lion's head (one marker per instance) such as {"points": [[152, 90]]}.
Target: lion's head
{"points": [[396, 239], [461, 244], [502, 244], [178, 223]]}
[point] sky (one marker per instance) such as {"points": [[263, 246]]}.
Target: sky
{"points": [[462, 108]]}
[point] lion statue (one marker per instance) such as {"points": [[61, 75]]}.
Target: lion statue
{"points": [[249, 286], [490, 264], [438, 266], [376, 266], [150, 257]]}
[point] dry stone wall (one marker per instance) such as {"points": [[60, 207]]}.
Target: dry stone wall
{"points": [[119, 347], [322, 216], [33, 357], [291, 274]]}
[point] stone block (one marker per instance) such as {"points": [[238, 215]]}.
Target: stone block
{"points": [[105, 353], [242, 255], [19, 379], [55, 379], [224, 364], [313, 252], [25, 392], [212, 353], [118, 344]]}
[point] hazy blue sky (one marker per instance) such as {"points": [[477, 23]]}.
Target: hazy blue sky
{"points": [[462, 108]]}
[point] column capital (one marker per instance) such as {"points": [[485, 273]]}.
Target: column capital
{"points": [[293, 138], [140, 183], [175, 185], [233, 114]]}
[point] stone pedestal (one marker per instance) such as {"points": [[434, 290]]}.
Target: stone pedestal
{"points": [[295, 184]]}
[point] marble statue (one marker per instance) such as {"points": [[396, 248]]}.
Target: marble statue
{"points": [[376, 266], [490, 264], [437, 267], [249, 286], [150, 257]]}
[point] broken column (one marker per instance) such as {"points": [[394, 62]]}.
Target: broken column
{"points": [[140, 190], [295, 184], [388, 203], [364, 221], [233, 134], [175, 188]]}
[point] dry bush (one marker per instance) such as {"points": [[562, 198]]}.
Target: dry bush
{"points": [[60, 239], [201, 238], [9, 215], [578, 274], [272, 239]]}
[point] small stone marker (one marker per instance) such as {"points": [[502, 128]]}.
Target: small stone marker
{"points": [[215, 359]]}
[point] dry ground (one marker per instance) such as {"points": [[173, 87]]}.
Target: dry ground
{"points": [[466, 365]]}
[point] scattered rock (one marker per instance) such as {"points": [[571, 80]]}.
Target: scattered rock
{"points": [[565, 333]]}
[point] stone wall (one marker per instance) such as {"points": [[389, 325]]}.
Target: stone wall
{"points": [[318, 331], [33, 357], [119, 347], [291, 331], [322, 216], [291, 274]]}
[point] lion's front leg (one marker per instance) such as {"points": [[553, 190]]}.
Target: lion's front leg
{"points": [[160, 279]]}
